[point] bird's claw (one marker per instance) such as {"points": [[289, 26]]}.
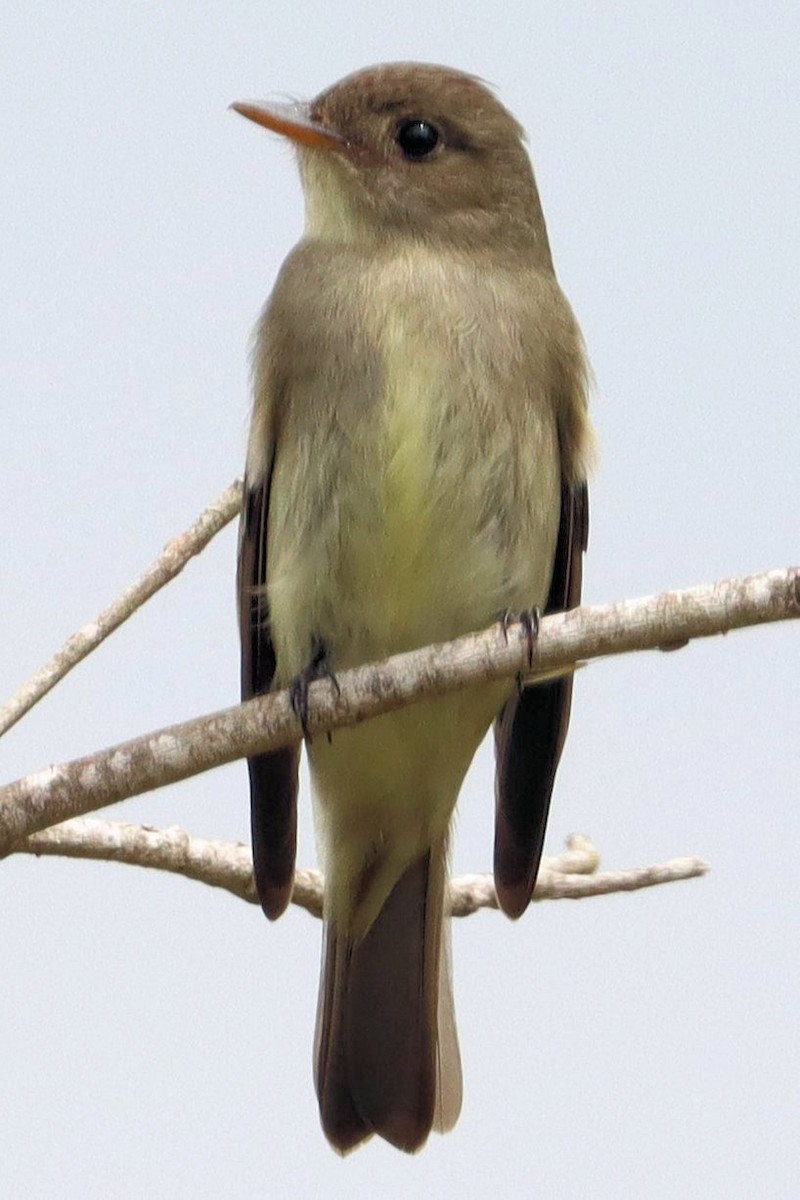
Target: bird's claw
{"points": [[529, 619], [317, 668]]}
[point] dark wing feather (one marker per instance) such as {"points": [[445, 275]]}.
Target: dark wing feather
{"points": [[273, 776], [530, 731]]}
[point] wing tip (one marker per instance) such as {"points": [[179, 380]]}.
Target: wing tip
{"points": [[513, 898], [274, 900]]}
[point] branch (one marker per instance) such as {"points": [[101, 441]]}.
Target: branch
{"points": [[229, 865], [180, 751], [170, 563]]}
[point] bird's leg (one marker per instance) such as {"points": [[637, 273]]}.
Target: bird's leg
{"points": [[318, 668]]}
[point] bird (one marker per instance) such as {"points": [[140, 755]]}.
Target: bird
{"points": [[416, 470]]}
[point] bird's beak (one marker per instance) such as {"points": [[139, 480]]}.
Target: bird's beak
{"points": [[293, 121]]}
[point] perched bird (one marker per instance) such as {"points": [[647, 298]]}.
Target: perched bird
{"points": [[416, 468]]}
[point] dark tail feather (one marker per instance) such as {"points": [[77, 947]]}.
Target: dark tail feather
{"points": [[387, 1057]]}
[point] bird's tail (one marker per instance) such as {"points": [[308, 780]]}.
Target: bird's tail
{"points": [[386, 1048]]}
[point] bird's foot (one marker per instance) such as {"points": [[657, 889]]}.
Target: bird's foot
{"points": [[529, 619], [318, 668]]}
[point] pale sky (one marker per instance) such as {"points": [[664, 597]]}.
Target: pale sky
{"points": [[155, 1036]]}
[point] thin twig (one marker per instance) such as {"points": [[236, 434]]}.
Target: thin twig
{"points": [[228, 865], [471, 892], [169, 563]]}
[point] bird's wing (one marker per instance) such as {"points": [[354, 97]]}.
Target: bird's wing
{"points": [[530, 731], [273, 775]]}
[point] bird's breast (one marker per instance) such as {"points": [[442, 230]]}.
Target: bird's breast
{"points": [[421, 509]]}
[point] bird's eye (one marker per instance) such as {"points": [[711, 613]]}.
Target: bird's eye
{"points": [[417, 139]]}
